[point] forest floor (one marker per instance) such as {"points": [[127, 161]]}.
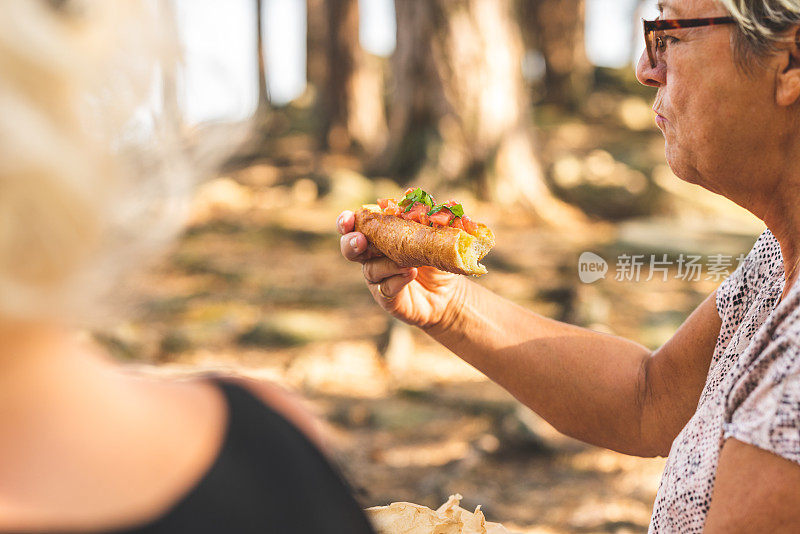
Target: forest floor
{"points": [[256, 286]]}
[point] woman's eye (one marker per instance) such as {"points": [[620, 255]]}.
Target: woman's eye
{"points": [[663, 40]]}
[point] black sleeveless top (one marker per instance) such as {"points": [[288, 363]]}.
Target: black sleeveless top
{"points": [[268, 479]]}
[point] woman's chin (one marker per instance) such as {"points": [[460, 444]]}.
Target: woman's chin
{"points": [[679, 168]]}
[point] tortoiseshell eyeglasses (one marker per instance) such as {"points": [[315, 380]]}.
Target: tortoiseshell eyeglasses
{"points": [[655, 43]]}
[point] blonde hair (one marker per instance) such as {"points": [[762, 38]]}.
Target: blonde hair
{"points": [[93, 174], [762, 24]]}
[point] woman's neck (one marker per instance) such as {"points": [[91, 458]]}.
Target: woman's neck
{"points": [[783, 218], [770, 189], [28, 352], [46, 369]]}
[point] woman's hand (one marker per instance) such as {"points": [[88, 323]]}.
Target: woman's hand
{"points": [[421, 296]]}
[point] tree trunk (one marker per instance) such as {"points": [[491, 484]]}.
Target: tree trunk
{"points": [[556, 28], [460, 108], [262, 109], [316, 45], [350, 86]]}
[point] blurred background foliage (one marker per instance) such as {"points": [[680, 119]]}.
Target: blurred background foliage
{"points": [[495, 102]]}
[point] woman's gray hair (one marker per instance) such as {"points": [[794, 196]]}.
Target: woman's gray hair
{"points": [[762, 25]]}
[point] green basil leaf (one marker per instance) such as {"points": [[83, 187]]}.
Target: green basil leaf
{"points": [[457, 210], [414, 195], [435, 209], [418, 195], [427, 199]]}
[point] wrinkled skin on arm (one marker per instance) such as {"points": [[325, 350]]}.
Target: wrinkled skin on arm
{"points": [[602, 389]]}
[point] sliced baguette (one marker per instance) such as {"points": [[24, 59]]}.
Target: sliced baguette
{"points": [[411, 244]]}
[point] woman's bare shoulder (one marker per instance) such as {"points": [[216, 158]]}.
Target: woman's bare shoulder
{"points": [[285, 402]]}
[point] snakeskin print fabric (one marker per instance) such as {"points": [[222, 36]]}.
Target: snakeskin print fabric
{"points": [[752, 392]]}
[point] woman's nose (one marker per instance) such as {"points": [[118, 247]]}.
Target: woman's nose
{"points": [[649, 75]]}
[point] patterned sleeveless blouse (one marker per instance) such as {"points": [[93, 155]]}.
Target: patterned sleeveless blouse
{"points": [[752, 391]]}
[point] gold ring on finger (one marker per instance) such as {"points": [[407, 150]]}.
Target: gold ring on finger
{"points": [[384, 295]]}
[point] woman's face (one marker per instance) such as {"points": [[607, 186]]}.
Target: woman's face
{"points": [[715, 118]]}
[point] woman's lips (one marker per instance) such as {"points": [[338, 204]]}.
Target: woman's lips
{"points": [[660, 120]]}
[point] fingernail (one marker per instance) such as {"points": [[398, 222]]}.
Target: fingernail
{"points": [[354, 242], [339, 223]]}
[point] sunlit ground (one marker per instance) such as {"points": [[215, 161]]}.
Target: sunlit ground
{"points": [[257, 286]]}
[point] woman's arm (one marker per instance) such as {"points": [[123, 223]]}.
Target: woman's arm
{"points": [[598, 388], [755, 491]]}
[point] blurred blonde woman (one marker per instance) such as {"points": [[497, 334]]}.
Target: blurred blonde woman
{"points": [[93, 182]]}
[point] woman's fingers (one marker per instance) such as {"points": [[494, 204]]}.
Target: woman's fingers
{"points": [[346, 222], [389, 288], [379, 269], [353, 245], [392, 286]]}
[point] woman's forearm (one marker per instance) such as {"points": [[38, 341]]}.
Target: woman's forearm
{"points": [[588, 385]]}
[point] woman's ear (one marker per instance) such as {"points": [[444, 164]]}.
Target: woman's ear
{"points": [[788, 87]]}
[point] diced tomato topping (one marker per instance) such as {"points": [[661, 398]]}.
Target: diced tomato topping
{"points": [[420, 210], [386, 204], [419, 213], [469, 226], [416, 211], [441, 218]]}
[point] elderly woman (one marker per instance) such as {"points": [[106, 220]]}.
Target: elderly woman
{"points": [[90, 186], [721, 398]]}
